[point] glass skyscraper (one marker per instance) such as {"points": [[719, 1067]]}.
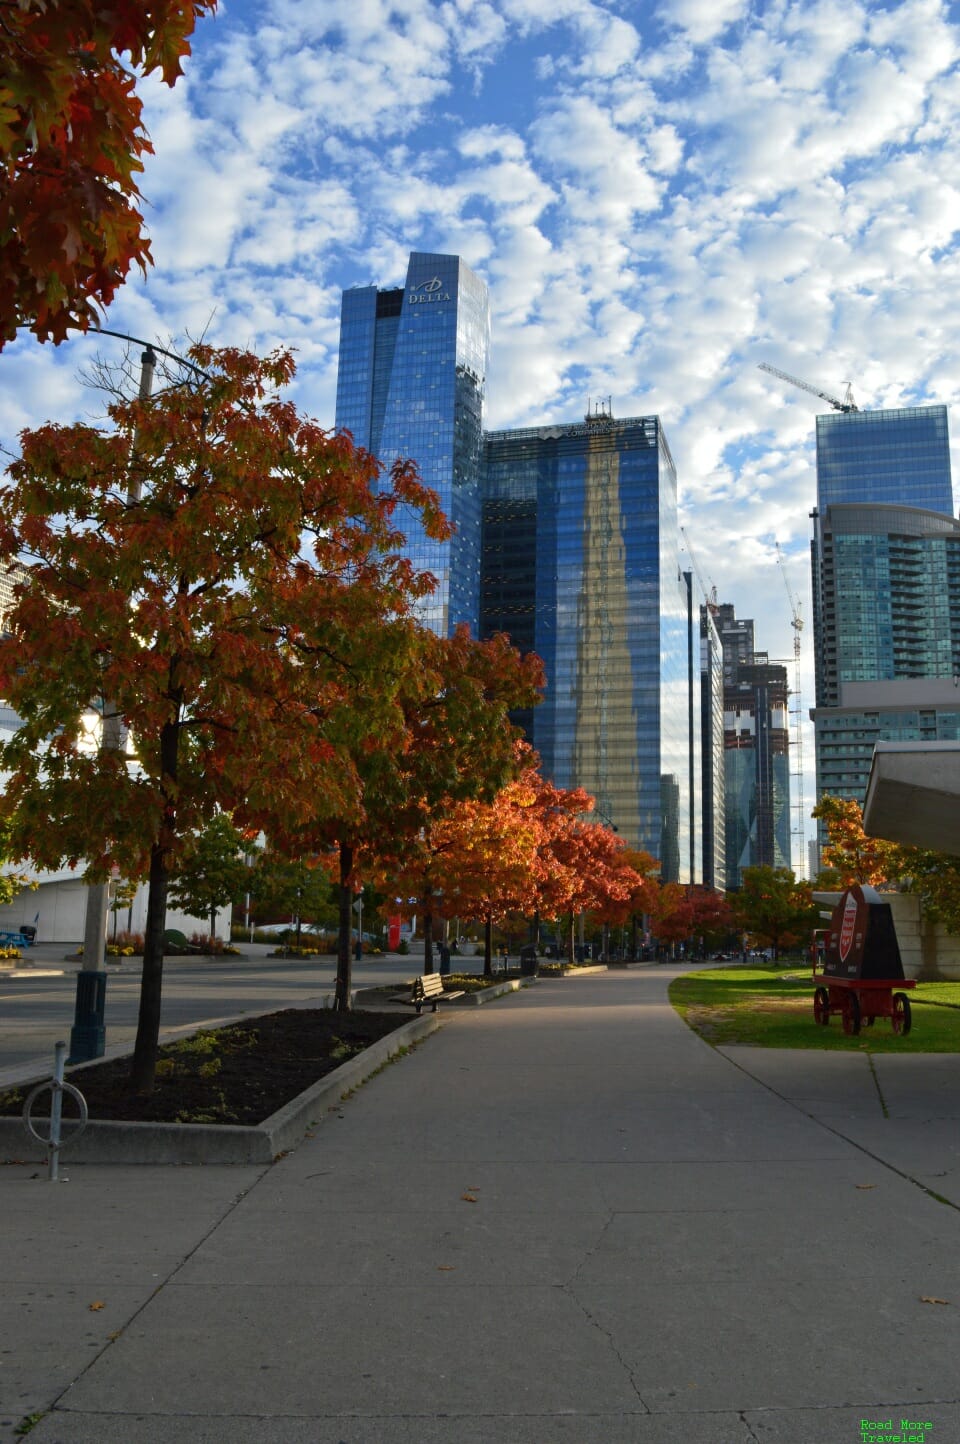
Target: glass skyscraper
{"points": [[411, 383], [886, 589], [581, 565], [566, 539], [893, 458]]}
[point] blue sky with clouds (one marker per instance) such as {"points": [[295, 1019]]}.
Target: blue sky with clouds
{"points": [[659, 196]]}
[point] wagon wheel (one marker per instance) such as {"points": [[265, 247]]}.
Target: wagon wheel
{"points": [[901, 1017], [851, 1013], [821, 1007]]}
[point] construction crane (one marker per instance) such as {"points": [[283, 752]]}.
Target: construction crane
{"points": [[847, 404], [710, 598], [796, 621]]}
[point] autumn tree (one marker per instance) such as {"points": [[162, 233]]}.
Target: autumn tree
{"points": [[483, 855], [850, 856], [630, 903], [581, 863], [853, 857], [211, 873], [671, 916], [455, 744], [198, 587], [774, 907], [71, 142]]}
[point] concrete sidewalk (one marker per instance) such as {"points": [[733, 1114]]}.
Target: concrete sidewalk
{"points": [[563, 1217]]}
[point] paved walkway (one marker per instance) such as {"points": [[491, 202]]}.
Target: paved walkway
{"points": [[561, 1218]]}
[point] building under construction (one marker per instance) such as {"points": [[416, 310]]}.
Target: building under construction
{"points": [[756, 739]]}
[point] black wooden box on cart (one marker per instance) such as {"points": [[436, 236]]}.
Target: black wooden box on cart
{"points": [[861, 966]]}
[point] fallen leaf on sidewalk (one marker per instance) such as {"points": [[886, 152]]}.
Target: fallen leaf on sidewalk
{"points": [[928, 1299], [445, 1268], [864, 1185], [468, 1198], [99, 1304]]}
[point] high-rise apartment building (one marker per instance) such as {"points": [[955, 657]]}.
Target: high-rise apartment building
{"points": [[756, 751], [581, 565], [886, 590], [411, 383]]}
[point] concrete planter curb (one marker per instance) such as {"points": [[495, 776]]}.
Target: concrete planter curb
{"points": [[484, 995], [575, 972], [177, 1143]]}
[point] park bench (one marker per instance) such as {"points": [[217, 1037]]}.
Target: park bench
{"points": [[426, 989], [14, 939]]}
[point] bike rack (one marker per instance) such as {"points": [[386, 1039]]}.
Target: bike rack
{"points": [[56, 1087]]}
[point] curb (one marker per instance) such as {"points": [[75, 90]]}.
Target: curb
{"points": [[484, 995], [177, 1143]]}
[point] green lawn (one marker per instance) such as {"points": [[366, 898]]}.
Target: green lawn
{"points": [[772, 1007]]}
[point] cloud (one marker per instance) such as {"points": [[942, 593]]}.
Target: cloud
{"points": [[658, 197]]}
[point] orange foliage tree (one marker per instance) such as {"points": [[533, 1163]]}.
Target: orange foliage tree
{"points": [[850, 856], [483, 855], [581, 864], [691, 913], [170, 584], [442, 738], [71, 141]]}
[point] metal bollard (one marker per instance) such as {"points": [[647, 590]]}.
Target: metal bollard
{"points": [[57, 1088]]}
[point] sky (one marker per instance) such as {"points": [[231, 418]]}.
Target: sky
{"points": [[659, 196]]}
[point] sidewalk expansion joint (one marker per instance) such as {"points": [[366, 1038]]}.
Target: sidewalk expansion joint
{"points": [[876, 1078], [108, 1343], [838, 1133]]}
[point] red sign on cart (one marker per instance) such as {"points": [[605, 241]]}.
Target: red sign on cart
{"points": [[848, 927]]}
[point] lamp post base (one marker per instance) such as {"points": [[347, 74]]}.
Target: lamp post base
{"points": [[88, 1036]]}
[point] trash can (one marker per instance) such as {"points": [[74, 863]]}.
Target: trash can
{"points": [[529, 963]]}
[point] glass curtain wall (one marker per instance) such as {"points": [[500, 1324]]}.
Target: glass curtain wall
{"points": [[411, 383], [572, 557]]}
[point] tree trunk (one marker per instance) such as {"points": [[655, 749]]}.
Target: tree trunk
{"points": [[570, 945], [341, 1000], [488, 946], [144, 1066], [427, 932], [213, 922]]}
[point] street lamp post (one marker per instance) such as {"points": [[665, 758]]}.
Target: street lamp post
{"points": [[88, 1035]]}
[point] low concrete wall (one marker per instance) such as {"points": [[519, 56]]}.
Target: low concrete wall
{"points": [[104, 1141]]}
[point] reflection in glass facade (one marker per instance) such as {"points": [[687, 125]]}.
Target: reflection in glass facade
{"points": [[580, 564], [891, 457], [886, 589], [411, 382]]}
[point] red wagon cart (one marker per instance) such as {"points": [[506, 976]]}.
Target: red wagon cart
{"points": [[860, 975]]}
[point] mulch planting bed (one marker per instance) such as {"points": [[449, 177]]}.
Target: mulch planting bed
{"points": [[240, 1074]]}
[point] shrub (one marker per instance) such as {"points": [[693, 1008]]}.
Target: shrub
{"points": [[215, 947], [124, 940]]}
